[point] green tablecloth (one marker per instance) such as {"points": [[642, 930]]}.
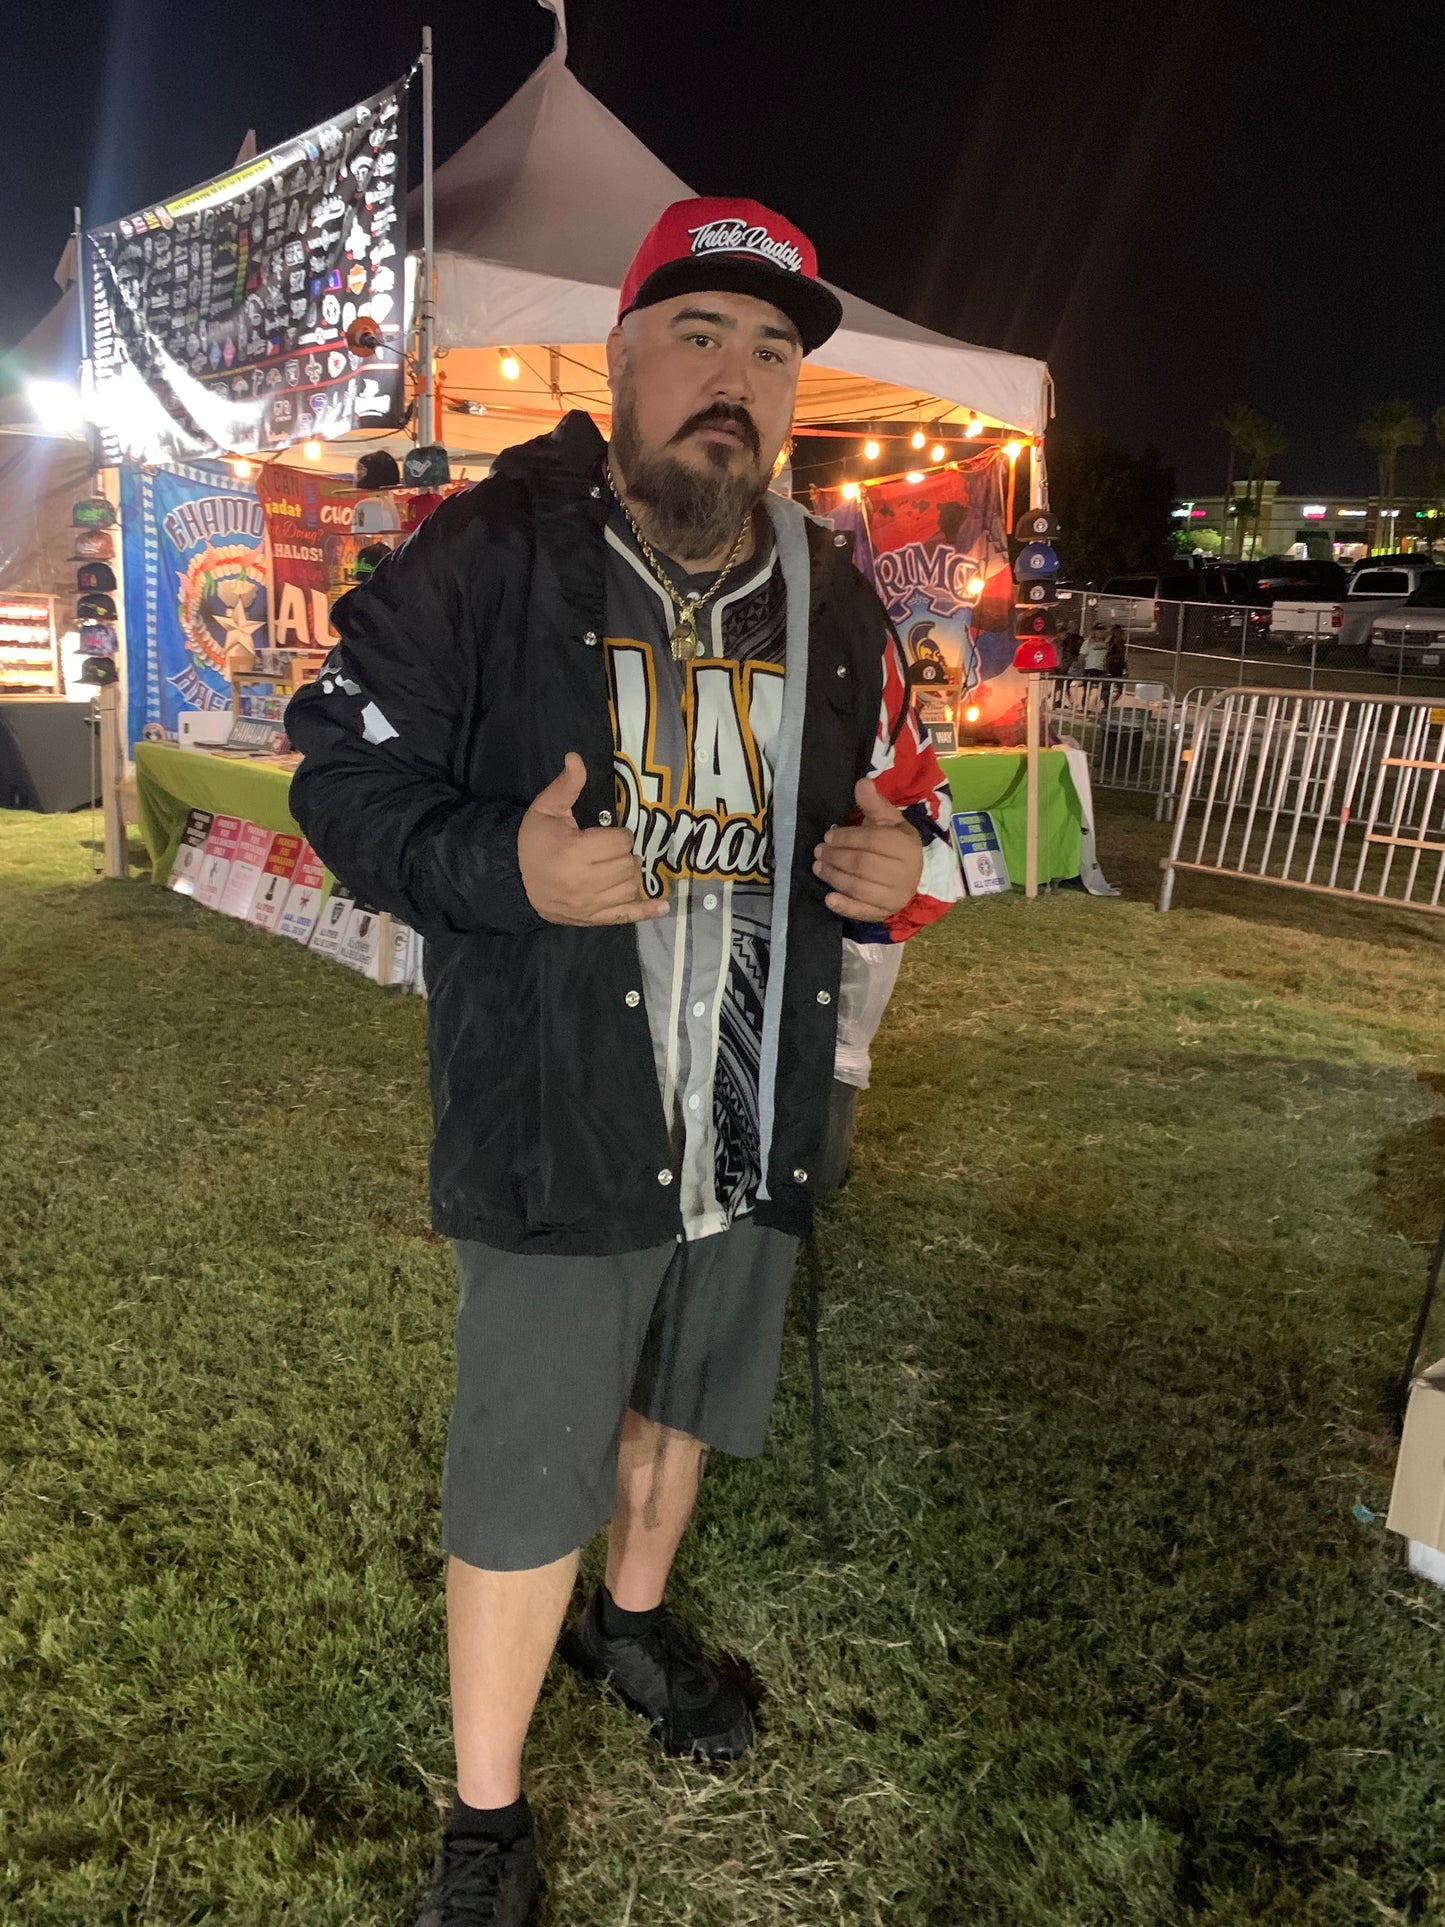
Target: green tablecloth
{"points": [[171, 781], [996, 780]]}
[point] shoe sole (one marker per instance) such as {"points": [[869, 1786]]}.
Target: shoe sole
{"points": [[723, 1747]]}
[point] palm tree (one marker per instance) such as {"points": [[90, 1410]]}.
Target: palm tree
{"points": [[1238, 423], [1389, 427], [1263, 442]]}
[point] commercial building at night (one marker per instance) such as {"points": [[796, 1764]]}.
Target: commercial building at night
{"points": [[1344, 526]]}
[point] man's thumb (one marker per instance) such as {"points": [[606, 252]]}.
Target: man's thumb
{"points": [[563, 790], [875, 807]]}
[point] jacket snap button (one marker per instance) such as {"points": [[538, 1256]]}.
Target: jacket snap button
{"points": [[664, 1177], [824, 997], [840, 541], [842, 669], [800, 1176], [595, 492], [590, 638], [634, 998], [604, 817]]}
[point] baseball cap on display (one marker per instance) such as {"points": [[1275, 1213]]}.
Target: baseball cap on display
{"points": [[92, 545], [741, 247], [96, 575], [95, 608]]}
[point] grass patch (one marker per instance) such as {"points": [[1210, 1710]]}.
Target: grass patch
{"points": [[1132, 1243]]}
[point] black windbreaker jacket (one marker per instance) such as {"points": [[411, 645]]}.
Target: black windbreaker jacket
{"points": [[468, 666]]}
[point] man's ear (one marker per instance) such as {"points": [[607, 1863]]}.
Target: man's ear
{"points": [[616, 356]]}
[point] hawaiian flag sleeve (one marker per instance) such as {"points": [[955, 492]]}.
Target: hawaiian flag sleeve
{"points": [[905, 768]]}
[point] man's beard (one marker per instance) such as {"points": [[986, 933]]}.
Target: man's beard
{"points": [[690, 512]]}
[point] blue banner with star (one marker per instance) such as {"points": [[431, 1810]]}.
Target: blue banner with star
{"points": [[193, 543]]}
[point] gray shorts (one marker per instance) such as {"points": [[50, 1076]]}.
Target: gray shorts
{"points": [[552, 1351]]}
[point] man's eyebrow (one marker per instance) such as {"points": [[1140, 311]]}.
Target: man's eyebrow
{"points": [[716, 319]]}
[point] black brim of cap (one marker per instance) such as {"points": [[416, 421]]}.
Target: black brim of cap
{"points": [[813, 309]]}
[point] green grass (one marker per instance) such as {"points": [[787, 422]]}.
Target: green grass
{"points": [[1134, 1236]]}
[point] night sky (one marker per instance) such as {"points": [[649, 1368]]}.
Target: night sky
{"points": [[1177, 206]]}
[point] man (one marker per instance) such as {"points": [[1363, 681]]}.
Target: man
{"points": [[627, 738]]}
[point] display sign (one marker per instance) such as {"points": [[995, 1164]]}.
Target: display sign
{"points": [[979, 851], [195, 583], [218, 319]]}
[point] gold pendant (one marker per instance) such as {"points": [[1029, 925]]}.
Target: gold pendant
{"points": [[683, 641]]}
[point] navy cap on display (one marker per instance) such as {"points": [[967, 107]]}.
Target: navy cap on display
{"points": [[95, 608], [98, 639], [96, 575], [99, 669]]}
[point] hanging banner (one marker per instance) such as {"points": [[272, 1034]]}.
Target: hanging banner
{"points": [[936, 551], [308, 523], [218, 320], [194, 542]]}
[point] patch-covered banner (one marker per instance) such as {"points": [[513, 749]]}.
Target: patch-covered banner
{"points": [[937, 553], [218, 319], [195, 582]]}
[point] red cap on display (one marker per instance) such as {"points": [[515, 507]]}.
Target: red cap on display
{"points": [[742, 247]]}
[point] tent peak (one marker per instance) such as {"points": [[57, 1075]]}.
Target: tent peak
{"points": [[559, 39]]}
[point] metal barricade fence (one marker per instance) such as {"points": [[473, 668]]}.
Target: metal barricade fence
{"points": [[1340, 795], [1135, 735]]}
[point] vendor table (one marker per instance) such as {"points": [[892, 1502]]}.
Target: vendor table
{"points": [[169, 782], [996, 780]]}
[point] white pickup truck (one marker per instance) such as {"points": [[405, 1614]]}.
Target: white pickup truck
{"points": [[1410, 636], [1372, 591]]}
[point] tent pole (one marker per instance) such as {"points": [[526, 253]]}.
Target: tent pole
{"points": [[427, 417]]}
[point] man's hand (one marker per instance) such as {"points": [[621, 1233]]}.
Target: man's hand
{"points": [[579, 876], [872, 868]]}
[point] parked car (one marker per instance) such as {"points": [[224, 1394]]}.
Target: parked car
{"points": [[1282, 577], [1191, 608], [1371, 591], [1411, 636]]}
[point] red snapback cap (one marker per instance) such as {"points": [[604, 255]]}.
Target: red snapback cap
{"points": [[717, 241]]}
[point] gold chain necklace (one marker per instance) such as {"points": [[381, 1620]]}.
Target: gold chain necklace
{"points": [[683, 642]]}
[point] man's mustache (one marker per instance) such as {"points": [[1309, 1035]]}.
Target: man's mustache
{"points": [[718, 416]]}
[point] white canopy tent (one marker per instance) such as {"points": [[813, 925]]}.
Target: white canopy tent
{"points": [[537, 217]]}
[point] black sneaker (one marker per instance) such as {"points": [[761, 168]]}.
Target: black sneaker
{"points": [[483, 1883], [662, 1675]]}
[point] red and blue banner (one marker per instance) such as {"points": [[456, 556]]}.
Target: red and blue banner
{"points": [[936, 551], [194, 548]]}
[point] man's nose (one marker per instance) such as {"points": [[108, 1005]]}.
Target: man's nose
{"points": [[732, 375]]}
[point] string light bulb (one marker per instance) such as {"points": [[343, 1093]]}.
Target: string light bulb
{"points": [[1013, 450], [914, 475], [510, 366], [974, 428], [311, 450], [871, 450], [972, 713], [918, 438], [937, 452], [850, 491], [241, 468], [975, 586]]}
